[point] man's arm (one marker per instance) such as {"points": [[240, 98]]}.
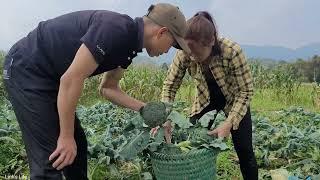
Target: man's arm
{"points": [[71, 85], [110, 89]]}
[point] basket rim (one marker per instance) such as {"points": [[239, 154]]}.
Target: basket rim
{"points": [[190, 154]]}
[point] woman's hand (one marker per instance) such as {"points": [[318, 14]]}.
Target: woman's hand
{"points": [[222, 131], [168, 131]]}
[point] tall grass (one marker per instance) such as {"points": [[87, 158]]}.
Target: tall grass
{"points": [[269, 100], [274, 89], [143, 82]]}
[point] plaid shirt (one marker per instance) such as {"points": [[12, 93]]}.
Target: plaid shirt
{"points": [[230, 70]]}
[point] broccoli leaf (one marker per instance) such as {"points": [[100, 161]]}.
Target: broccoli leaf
{"points": [[179, 120]]}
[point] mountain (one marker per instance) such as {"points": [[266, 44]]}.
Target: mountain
{"points": [[311, 49], [143, 58], [276, 53], [281, 53]]}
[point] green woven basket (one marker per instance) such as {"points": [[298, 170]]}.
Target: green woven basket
{"points": [[196, 164]]}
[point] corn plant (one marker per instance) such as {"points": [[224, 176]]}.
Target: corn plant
{"points": [[144, 82], [282, 79], [316, 94], [2, 90]]}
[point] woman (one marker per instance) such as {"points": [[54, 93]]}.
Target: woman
{"points": [[44, 75], [223, 80]]}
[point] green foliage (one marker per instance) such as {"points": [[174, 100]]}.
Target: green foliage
{"points": [[308, 69], [13, 158], [315, 94], [105, 130], [281, 79], [134, 123], [90, 94], [197, 136], [291, 141], [143, 82], [179, 120], [273, 78], [287, 140], [133, 148], [2, 89]]}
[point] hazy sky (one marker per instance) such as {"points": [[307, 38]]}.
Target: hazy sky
{"points": [[289, 23]]}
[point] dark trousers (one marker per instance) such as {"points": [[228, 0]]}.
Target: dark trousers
{"points": [[38, 119], [242, 140]]}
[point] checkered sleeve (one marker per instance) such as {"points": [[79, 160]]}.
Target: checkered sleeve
{"points": [[174, 77], [243, 81]]}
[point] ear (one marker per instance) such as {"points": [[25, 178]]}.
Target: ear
{"points": [[212, 42], [162, 31]]}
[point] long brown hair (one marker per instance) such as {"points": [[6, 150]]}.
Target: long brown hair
{"points": [[202, 28]]}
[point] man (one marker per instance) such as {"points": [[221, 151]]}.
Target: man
{"points": [[44, 75]]}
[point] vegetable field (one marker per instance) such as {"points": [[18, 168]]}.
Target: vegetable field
{"points": [[286, 129]]}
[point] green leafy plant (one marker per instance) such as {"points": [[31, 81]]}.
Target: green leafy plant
{"points": [[186, 136], [290, 142]]}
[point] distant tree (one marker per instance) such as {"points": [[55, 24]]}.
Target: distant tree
{"points": [[300, 60], [315, 57], [282, 62], [307, 70], [164, 66]]}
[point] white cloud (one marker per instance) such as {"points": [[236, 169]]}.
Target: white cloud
{"points": [[284, 22], [290, 23]]}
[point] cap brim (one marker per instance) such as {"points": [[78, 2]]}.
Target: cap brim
{"points": [[181, 44]]}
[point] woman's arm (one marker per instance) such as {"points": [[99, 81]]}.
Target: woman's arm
{"points": [[174, 77], [244, 84]]}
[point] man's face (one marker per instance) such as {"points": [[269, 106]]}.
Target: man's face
{"points": [[161, 42]]}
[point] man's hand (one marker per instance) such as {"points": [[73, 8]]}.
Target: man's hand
{"points": [[222, 131], [167, 131], [65, 152], [154, 131]]}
